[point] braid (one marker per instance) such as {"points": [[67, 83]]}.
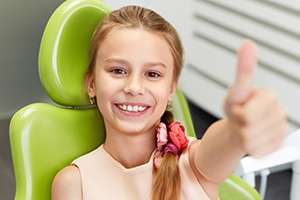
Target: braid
{"points": [[167, 118], [167, 183]]}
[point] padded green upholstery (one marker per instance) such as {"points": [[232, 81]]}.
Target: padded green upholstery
{"points": [[64, 50], [45, 138]]}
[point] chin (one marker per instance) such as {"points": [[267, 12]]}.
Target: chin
{"points": [[136, 128]]}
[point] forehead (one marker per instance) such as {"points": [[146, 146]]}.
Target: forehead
{"points": [[136, 43]]}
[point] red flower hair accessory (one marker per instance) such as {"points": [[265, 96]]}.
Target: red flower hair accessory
{"points": [[178, 137], [173, 141]]}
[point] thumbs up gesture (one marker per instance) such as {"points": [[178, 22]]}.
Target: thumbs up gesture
{"points": [[256, 118]]}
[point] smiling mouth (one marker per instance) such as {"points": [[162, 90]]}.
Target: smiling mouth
{"points": [[131, 108]]}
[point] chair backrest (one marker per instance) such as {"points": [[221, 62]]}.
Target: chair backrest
{"points": [[45, 138]]}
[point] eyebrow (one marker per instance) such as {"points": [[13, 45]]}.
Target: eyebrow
{"points": [[123, 61], [118, 60], [152, 64]]}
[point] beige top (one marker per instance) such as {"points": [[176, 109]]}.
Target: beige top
{"points": [[104, 178]]}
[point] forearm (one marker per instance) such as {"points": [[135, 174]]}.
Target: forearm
{"points": [[219, 152], [255, 124]]}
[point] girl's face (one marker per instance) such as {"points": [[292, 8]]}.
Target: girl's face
{"points": [[132, 80]]}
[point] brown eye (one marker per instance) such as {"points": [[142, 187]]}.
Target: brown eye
{"points": [[153, 74], [118, 71]]}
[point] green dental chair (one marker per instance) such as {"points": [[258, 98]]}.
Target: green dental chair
{"points": [[47, 137]]}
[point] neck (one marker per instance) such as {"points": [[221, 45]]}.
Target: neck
{"points": [[130, 150]]}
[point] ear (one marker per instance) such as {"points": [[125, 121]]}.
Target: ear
{"points": [[173, 90], [91, 88]]}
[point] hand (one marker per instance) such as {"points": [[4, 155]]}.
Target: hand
{"points": [[256, 118]]}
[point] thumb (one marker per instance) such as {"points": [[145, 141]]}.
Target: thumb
{"points": [[242, 85]]}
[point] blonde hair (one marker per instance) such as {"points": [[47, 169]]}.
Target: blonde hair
{"points": [[167, 182]]}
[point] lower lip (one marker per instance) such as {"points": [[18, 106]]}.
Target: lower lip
{"points": [[132, 114]]}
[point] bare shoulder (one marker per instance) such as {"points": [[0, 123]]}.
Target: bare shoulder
{"points": [[67, 184]]}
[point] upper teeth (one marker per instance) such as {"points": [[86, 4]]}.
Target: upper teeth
{"points": [[132, 108]]}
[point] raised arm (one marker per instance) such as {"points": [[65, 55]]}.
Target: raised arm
{"points": [[254, 125]]}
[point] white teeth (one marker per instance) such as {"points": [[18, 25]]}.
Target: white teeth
{"points": [[141, 108], [135, 108], [132, 108], [129, 108]]}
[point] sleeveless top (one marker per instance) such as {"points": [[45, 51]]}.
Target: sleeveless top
{"points": [[102, 177]]}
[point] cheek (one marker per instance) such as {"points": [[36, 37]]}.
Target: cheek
{"points": [[103, 94], [162, 96], [103, 83], [103, 91]]}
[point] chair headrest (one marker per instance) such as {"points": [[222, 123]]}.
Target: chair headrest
{"points": [[63, 56]]}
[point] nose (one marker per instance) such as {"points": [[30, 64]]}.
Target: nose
{"points": [[134, 85]]}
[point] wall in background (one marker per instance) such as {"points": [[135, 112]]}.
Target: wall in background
{"points": [[22, 25], [218, 28]]}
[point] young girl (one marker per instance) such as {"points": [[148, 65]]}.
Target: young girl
{"points": [[135, 61]]}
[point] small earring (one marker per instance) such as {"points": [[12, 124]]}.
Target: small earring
{"points": [[169, 104], [92, 100]]}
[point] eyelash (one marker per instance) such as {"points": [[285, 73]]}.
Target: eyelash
{"points": [[153, 74], [118, 71]]}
